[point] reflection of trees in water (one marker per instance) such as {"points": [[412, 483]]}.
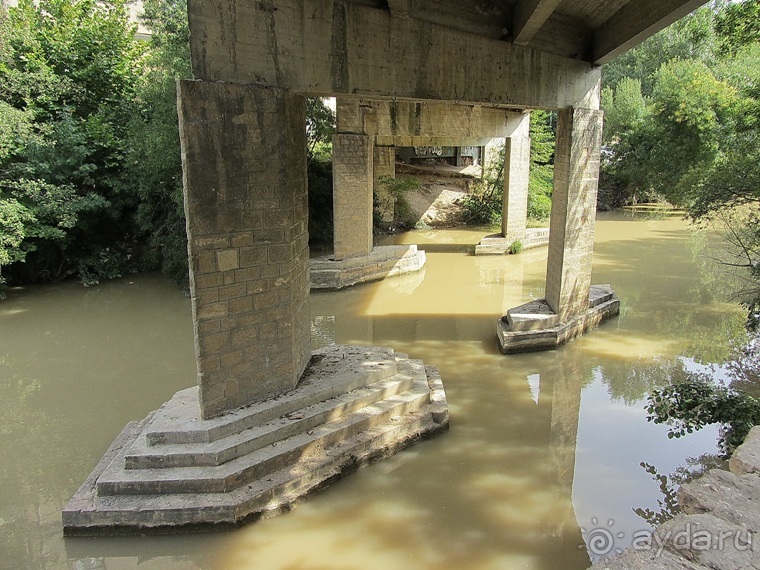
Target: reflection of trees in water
{"points": [[668, 506], [31, 492], [630, 382], [745, 367], [44, 460]]}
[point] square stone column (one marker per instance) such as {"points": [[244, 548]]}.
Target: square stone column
{"points": [[384, 165], [514, 216], [352, 195], [244, 168], [571, 237]]}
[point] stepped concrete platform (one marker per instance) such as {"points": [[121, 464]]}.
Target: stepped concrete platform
{"points": [[383, 261], [497, 244], [535, 326], [175, 472]]}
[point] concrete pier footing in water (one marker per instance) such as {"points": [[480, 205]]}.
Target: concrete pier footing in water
{"points": [[176, 472], [535, 326], [383, 261]]}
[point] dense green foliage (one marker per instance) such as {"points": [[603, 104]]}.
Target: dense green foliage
{"points": [[543, 128], [90, 165], [682, 124], [90, 175], [320, 127], [68, 72], [484, 204]]}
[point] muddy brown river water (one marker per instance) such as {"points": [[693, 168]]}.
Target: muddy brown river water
{"points": [[544, 451]]}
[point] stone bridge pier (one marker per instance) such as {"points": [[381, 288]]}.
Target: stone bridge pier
{"points": [[270, 421]]}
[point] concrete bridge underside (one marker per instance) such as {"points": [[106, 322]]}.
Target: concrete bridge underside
{"points": [[271, 422]]}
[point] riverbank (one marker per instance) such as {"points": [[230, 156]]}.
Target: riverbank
{"points": [[718, 526]]}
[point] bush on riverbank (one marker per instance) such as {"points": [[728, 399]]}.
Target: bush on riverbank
{"points": [[90, 166], [484, 204], [697, 401]]}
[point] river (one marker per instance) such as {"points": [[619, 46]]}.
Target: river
{"points": [[542, 458]]}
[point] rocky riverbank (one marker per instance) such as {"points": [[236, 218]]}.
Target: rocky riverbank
{"points": [[718, 525]]}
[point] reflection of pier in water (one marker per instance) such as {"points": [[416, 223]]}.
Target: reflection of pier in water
{"points": [[493, 491]]}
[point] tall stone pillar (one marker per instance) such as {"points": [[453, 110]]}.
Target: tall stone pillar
{"points": [[516, 176], [571, 237], [352, 195], [244, 164], [384, 165]]}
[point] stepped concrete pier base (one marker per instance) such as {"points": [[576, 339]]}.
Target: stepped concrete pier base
{"points": [[499, 245], [536, 326], [177, 472], [383, 261]]}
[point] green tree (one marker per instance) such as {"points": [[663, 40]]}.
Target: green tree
{"points": [[67, 74], [690, 38], [737, 26], [320, 127], [153, 164], [541, 177]]}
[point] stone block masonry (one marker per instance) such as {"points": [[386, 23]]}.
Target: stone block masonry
{"points": [[384, 164], [246, 207], [571, 235], [516, 179], [178, 472], [352, 195]]}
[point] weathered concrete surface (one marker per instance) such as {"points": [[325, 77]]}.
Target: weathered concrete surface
{"points": [[514, 211], [536, 326], [353, 176], [247, 216], [499, 245], [571, 236], [381, 262], [405, 123], [717, 528], [376, 55], [384, 165], [175, 471]]}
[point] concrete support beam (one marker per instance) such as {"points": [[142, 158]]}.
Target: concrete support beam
{"points": [[353, 176], [514, 216], [436, 119], [571, 236], [244, 169], [375, 55], [635, 22], [528, 16]]}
